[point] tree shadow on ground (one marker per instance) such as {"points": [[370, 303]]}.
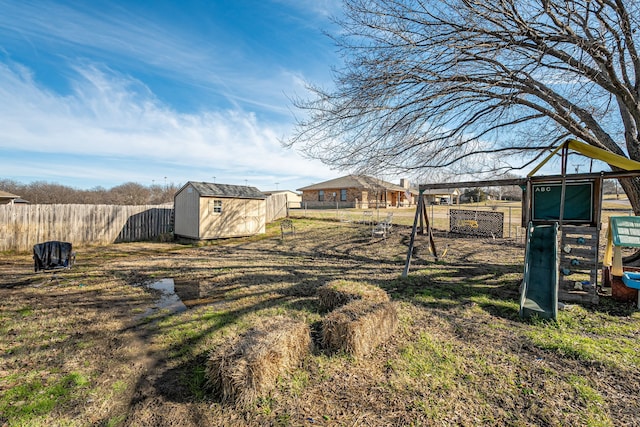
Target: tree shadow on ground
{"points": [[446, 286]]}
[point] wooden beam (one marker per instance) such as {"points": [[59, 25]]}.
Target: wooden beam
{"points": [[421, 212], [407, 263], [488, 183], [523, 181]]}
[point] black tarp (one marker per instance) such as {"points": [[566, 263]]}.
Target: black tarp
{"points": [[50, 255]]}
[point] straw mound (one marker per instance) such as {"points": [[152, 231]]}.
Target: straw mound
{"points": [[248, 366], [340, 292], [359, 327]]}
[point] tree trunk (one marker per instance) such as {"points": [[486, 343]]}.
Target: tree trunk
{"points": [[631, 187]]}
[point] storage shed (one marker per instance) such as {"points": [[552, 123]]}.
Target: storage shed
{"points": [[206, 210]]}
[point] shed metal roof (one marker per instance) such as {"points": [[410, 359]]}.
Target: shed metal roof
{"points": [[209, 189]]}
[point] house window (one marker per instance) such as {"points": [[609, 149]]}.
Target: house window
{"points": [[215, 206], [343, 195], [321, 196]]}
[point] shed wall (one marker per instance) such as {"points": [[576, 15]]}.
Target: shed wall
{"points": [[239, 217], [187, 207]]}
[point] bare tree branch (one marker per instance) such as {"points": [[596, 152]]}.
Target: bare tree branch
{"points": [[447, 83]]}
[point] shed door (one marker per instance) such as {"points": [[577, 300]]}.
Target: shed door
{"points": [[254, 216], [251, 218]]}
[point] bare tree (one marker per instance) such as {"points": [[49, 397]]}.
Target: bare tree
{"points": [[11, 186], [47, 193], [162, 193], [457, 84], [130, 193]]}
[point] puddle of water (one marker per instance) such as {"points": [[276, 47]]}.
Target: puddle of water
{"points": [[178, 296], [193, 295], [168, 301]]}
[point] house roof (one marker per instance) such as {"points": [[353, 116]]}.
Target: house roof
{"points": [[208, 189], [6, 195], [354, 181]]}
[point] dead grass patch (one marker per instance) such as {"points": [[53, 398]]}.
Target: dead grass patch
{"points": [[359, 327], [248, 366]]}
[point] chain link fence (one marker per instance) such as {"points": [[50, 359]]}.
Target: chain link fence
{"points": [[476, 223], [476, 220]]}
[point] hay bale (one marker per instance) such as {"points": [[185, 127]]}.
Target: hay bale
{"points": [[340, 292], [248, 366], [359, 327]]}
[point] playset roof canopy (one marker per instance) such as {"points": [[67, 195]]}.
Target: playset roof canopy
{"points": [[592, 152]]}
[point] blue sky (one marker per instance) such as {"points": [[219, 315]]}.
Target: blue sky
{"points": [[99, 93]]}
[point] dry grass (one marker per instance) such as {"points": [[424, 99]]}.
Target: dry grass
{"points": [[340, 292], [359, 327], [77, 350], [248, 366]]}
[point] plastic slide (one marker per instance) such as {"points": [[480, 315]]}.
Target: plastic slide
{"points": [[540, 285]]}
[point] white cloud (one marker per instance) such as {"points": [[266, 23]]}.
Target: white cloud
{"points": [[229, 116], [324, 8], [125, 40], [111, 116]]}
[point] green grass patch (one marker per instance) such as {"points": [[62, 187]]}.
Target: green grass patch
{"points": [[181, 333], [433, 360], [195, 379], [508, 309], [119, 387], [37, 397], [575, 339], [295, 383], [116, 421], [593, 402], [424, 290], [25, 311]]}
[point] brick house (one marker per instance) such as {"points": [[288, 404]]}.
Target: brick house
{"points": [[357, 191]]}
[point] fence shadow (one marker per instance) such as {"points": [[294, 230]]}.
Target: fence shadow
{"points": [[146, 225]]}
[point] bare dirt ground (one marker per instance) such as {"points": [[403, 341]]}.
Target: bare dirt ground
{"points": [[461, 356]]}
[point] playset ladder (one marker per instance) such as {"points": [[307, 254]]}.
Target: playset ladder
{"points": [[578, 264]]}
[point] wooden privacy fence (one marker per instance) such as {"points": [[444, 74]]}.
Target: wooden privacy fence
{"points": [[276, 207], [22, 226]]}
